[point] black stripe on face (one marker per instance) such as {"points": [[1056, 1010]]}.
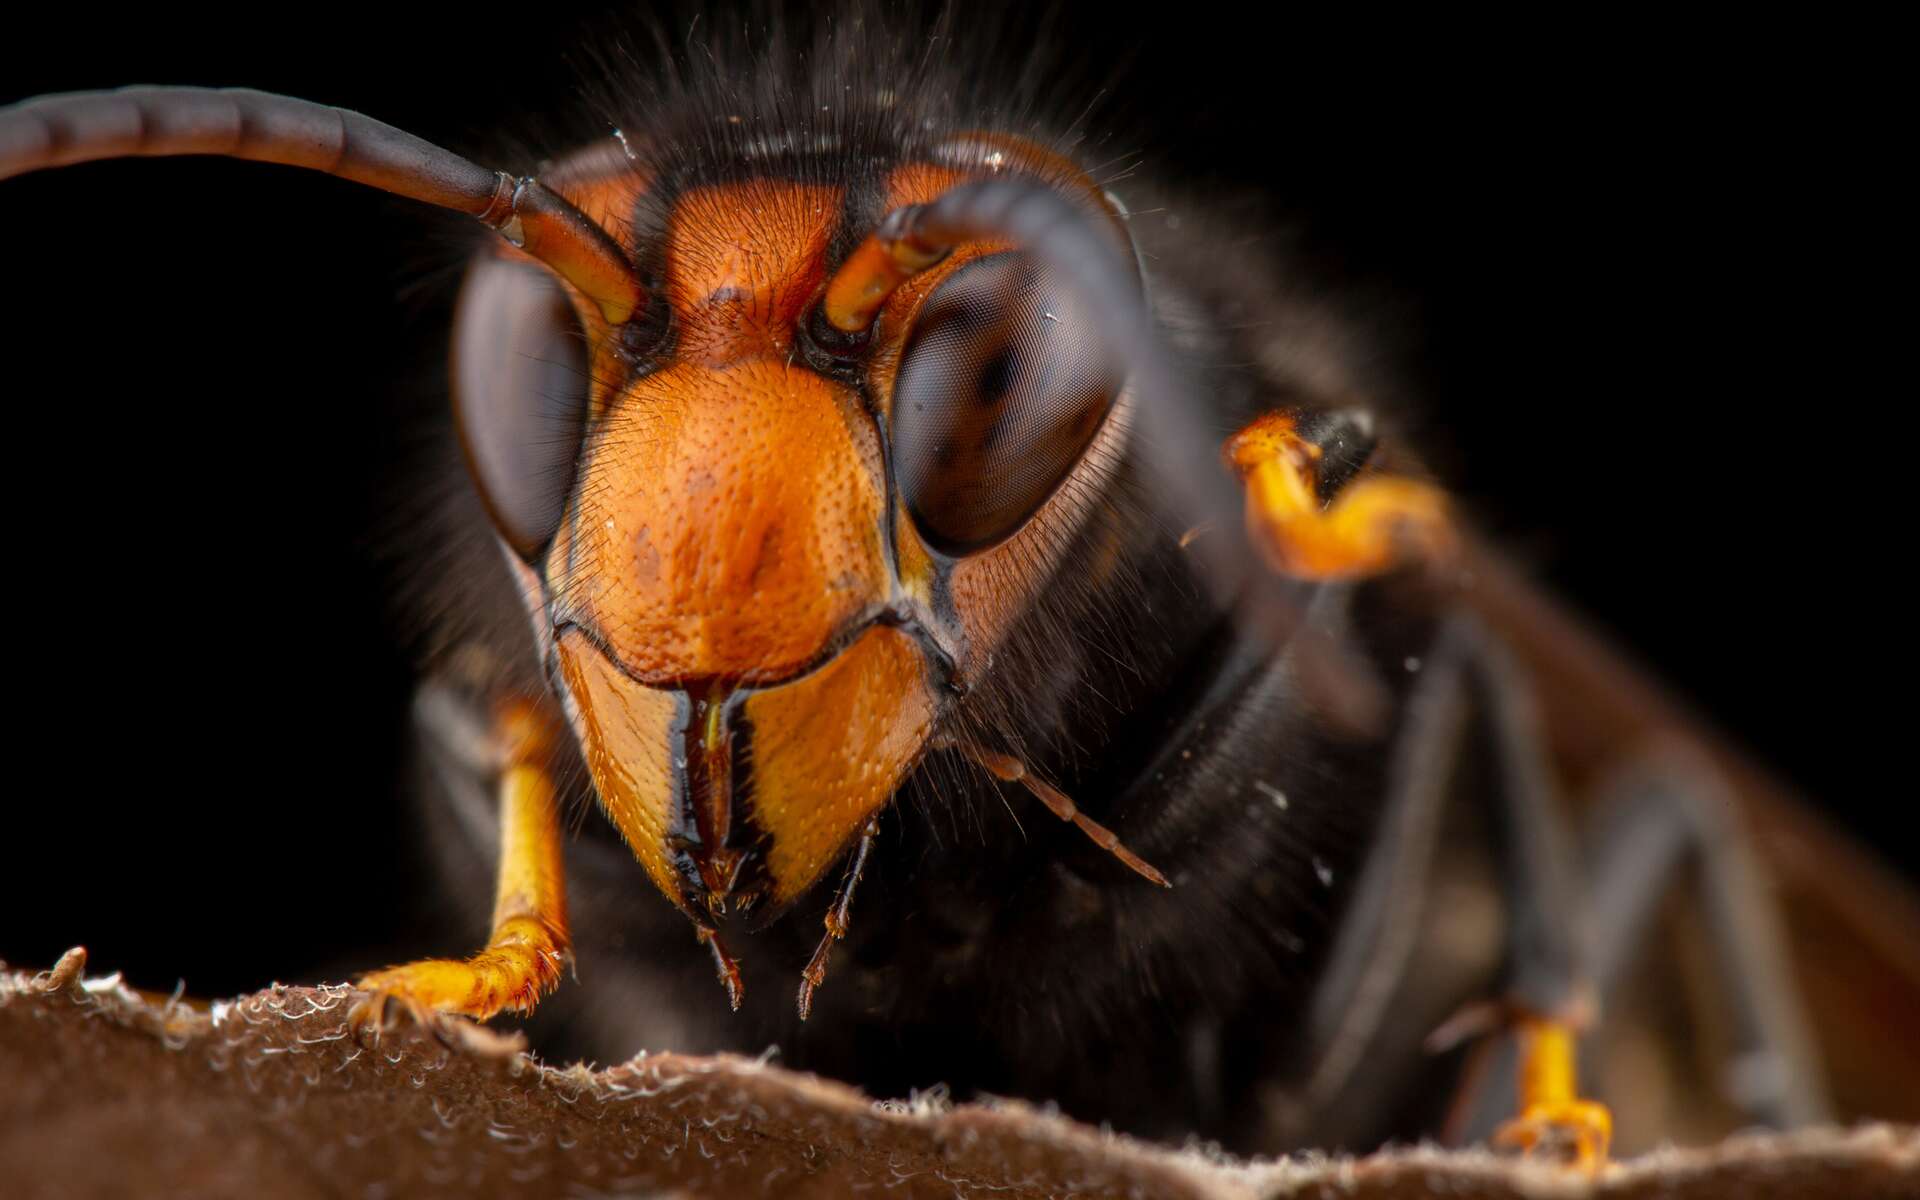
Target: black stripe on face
{"points": [[714, 840], [862, 205]]}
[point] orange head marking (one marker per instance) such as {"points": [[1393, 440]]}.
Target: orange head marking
{"points": [[719, 572]]}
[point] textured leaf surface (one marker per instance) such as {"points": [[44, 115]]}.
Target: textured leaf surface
{"points": [[108, 1092]]}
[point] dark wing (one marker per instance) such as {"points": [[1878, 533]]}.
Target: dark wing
{"points": [[1851, 927]]}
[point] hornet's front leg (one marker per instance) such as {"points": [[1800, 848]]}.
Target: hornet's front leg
{"points": [[530, 945], [1311, 512]]}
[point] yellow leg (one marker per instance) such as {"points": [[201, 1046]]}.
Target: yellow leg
{"points": [[530, 945], [1373, 524], [1552, 1115]]}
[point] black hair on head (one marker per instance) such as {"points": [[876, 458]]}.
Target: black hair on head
{"points": [[823, 93]]}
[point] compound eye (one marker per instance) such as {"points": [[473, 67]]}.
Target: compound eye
{"points": [[1002, 386], [520, 396]]}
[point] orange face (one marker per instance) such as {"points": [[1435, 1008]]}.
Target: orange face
{"points": [[735, 602]]}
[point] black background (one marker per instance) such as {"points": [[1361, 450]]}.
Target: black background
{"points": [[1627, 256]]}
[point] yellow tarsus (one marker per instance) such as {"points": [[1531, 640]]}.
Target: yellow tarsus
{"points": [[1373, 524], [529, 948], [1552, 1115]]}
